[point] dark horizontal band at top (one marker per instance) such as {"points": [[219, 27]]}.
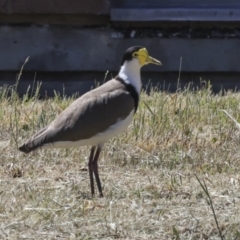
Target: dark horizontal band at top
{"points": [[175, 14]]}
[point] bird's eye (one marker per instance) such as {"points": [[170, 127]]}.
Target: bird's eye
{"points": [[134, 54]]}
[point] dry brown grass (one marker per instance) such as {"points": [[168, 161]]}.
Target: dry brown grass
{"points": [[148, 173]]}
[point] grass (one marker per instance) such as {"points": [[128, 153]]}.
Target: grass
{"points": [[152, 174]]}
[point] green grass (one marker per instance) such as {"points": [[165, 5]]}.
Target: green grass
{"points": [[148, 172]]}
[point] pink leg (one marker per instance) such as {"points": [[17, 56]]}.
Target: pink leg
{"points": [[90, 169], [95, 170]]}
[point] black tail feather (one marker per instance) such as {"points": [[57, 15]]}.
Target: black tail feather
{"points": [[34, 142], [24, 149]]}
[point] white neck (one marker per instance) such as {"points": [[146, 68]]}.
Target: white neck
{"points": [[130, 73]]}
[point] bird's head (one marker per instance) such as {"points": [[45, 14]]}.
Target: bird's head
{"points": [[141, 54]]}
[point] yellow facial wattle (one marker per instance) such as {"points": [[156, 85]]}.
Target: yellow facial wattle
{"points": [[144, 58]]}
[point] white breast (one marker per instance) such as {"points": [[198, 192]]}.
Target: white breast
{"points": [[130, 73]]}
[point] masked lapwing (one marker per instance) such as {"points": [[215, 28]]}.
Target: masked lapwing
{"points": [[98, 115]]}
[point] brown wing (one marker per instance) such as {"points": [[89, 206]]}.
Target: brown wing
{"points": [[90, 114]]}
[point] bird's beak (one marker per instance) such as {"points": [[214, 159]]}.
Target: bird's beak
{"points": [[153, 61]]}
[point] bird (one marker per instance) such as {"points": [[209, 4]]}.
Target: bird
{"points": [[98, 115]]}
